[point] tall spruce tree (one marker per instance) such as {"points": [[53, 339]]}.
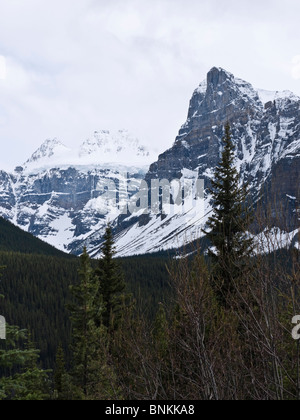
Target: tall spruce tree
{"points": [[111, 284], [227, 228], [92, 376], [85, 334]]}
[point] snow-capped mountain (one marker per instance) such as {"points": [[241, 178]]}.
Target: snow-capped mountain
{"points": [[266, 131], [49, 150], [63, 196], [66, 197], [104, 148]]}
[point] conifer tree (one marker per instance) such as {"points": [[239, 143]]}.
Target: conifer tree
{"points": [[160, 332], [60, 372], [21, 377], [111, 284], [93, 377], [84, 331], [227, 228], [60, 369]]}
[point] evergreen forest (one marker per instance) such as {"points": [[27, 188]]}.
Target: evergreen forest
{"points": [[213, 325]]}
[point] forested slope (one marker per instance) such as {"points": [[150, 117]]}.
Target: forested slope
{"points": [[14, 239], [36, 290]]}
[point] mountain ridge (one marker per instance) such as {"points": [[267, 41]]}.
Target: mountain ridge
{"points": [[102, 148]]}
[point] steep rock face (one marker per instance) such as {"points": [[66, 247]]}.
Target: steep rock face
{"points": [[263, 132], [266, 132], [63, 207]]}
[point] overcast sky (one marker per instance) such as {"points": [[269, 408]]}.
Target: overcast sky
{"points": [[70, 67]]}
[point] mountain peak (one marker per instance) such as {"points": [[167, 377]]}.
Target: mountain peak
{"points": [[114, 146], [217, 76], [47, 150], [219, 98]]}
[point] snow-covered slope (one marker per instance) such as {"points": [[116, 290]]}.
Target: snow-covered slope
{"points": [[50, 151], [270, 96], [63, 196], [115, 147]]}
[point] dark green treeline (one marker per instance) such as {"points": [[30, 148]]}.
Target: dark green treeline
{"points": [[36, 290]]}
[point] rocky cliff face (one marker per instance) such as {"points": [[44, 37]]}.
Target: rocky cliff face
{"points": [[61, 197], [265, 128], [266, 132]]}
